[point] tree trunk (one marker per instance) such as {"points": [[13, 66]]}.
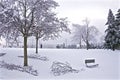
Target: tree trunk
{"points": [[87, 22], [80, 44], [25, 52], [87, 44], [113, 48], [36, 45]]}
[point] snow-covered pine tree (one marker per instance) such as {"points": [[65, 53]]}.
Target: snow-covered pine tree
{"points": [[110, 38], [118, 18], [117, 23]]}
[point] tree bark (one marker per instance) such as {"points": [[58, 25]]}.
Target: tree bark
{"points": [[87, 45], [25, 52], [80, 44], [87, 33], [36, 45]]}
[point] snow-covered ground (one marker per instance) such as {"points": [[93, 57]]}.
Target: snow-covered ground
{"points": [[108, 69]]}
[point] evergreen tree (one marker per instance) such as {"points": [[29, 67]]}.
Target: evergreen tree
{"points": [[110, 38], [118, 19], [117, 22]]}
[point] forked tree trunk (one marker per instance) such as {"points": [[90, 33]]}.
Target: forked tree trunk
{"points": [[25, 52]]}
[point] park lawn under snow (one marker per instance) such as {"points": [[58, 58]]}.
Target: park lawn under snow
{"points": [[109, 63]]}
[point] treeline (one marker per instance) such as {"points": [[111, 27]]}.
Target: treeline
{"points": [[74, 46]]}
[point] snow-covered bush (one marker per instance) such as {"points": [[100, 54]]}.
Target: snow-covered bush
{"points": [[59, 68]]}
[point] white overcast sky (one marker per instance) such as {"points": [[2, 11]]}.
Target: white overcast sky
{"points": [[95, 10]]}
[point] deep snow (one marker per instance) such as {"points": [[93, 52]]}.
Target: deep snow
{"points": [[109, 63]]}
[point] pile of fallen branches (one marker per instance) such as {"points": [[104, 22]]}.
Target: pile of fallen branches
{"points": [[27, 69], [35, 56], [59, 68]]}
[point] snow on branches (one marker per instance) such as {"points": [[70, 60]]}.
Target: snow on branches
{"points": [[59, 68]]}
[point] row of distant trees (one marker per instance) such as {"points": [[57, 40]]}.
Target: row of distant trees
{"points": [[30, 18], [74, 46]]}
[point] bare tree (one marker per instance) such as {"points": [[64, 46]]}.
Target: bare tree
{"points": [[48, 26], [85, 33], [43, 21], [31, 11], [78, 32]]}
